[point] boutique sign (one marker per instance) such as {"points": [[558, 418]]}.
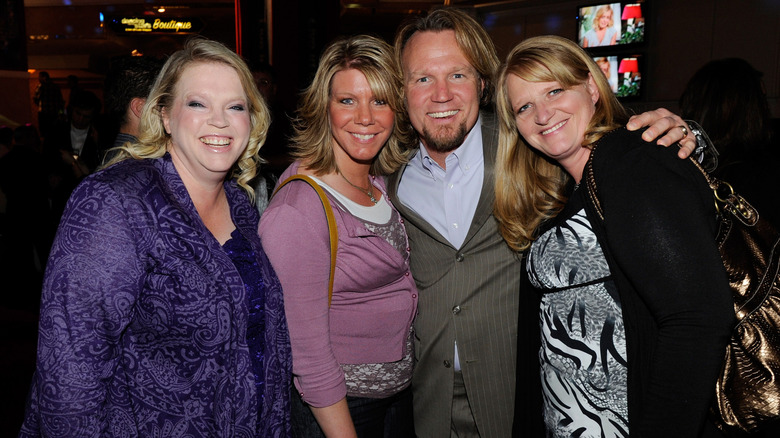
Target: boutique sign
{"points": [[156, 25]]}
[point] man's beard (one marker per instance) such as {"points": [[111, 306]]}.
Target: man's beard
{"points": [[447, 139]]}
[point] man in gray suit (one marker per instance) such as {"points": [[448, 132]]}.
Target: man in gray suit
{"points": [[469, 280]]}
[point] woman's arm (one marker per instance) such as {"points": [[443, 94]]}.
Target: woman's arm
{"points": [[91, 285], [294, 234], [659, 227], [335, 420]]}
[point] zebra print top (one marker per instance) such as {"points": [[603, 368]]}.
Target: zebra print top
{"points": [[583, 352]]}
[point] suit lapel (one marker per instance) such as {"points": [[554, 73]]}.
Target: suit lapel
{"points": [[488, 195]]}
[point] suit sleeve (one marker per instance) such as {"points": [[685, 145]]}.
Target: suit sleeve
{"points": [[660, 229]]}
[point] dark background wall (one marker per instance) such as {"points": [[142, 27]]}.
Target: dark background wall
{"points": [[681, 36]]}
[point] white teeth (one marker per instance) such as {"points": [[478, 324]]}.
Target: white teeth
{"points": [[220, 141], [554, 128], [363, 136], [443, 114]]}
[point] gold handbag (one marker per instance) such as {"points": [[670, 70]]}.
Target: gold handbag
{"points": [[748, 387]]}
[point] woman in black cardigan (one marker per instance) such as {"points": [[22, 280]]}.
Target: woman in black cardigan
{"points": [[635, 310]]}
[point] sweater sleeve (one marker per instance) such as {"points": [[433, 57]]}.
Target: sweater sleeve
{"points": [[659, 220], [91, 285], [294, 233]]}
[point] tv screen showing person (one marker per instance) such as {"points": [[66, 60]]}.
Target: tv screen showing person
{"points": [[600, 25]]}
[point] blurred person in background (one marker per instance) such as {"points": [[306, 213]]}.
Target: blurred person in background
{"points": [[48, 99], [727, 97], [126, 87]]}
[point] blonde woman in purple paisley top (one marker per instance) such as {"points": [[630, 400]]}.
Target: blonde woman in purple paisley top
{"points": [[160, 313]]}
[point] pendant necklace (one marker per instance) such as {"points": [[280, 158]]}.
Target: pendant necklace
{"points": [[368, 191]]}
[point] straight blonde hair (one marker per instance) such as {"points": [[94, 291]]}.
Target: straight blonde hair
{"points": [[312, 139], [531, 188]]}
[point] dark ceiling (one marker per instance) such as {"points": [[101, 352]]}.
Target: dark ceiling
{"points": [[72, 28]]}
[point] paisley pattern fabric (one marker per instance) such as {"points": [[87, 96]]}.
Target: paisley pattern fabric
{"points": [[264, 344], [583, 354], [143, 317]]}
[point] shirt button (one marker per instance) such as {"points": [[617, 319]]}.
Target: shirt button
{"points": [[408, 249], [452, 185], [459, 257], [455, 225], [414, 295], [406, 273], [456, 310], [447, 364]]}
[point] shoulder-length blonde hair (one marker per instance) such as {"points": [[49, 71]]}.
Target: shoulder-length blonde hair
{"points": [[153, 141], [312, 139], [600, 12], [530, 188]]}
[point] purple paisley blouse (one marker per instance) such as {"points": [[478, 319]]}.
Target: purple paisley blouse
{"points": [[144, 317]]}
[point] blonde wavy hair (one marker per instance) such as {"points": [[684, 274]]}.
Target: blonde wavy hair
{"points": [[531, 188], [313, 140], [153, 142]]}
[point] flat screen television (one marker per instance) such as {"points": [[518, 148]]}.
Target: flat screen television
{"points": [[611, 24], [630, 70], [609, 66], [624, 74]]}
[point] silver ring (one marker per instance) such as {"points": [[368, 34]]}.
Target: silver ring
{"points": [[684, 130]]}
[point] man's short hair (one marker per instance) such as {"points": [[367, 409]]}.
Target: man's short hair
{"points": [[128, 78]]}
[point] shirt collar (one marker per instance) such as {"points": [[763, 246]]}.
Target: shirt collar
{"points": [[465, 156]]}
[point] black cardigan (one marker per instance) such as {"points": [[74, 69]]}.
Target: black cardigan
{"points": [[659, 239]]}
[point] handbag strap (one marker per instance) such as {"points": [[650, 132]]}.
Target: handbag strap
{"points": [[725, 196], [333, 234], [729, 200]]}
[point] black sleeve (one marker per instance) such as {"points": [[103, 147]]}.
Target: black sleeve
{"points": [[659, 221]]}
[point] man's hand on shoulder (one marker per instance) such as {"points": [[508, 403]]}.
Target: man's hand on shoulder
{"points": [[666, 128]]}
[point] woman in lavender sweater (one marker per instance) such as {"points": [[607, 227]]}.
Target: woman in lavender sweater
{"points": [[160, 313], [352, 360]]}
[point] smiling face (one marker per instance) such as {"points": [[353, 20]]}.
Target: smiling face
{"points": [[553, 120], [208, 122], [442, 90], [360, 124], [605, 19]]}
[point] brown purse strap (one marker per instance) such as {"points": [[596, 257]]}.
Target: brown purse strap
{"points": [[333, 233]]}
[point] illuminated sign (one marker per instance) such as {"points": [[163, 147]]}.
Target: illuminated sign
{"points": [[156, 25]]}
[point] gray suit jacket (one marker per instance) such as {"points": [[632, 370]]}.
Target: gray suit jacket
{"points": [[469, 294]]}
